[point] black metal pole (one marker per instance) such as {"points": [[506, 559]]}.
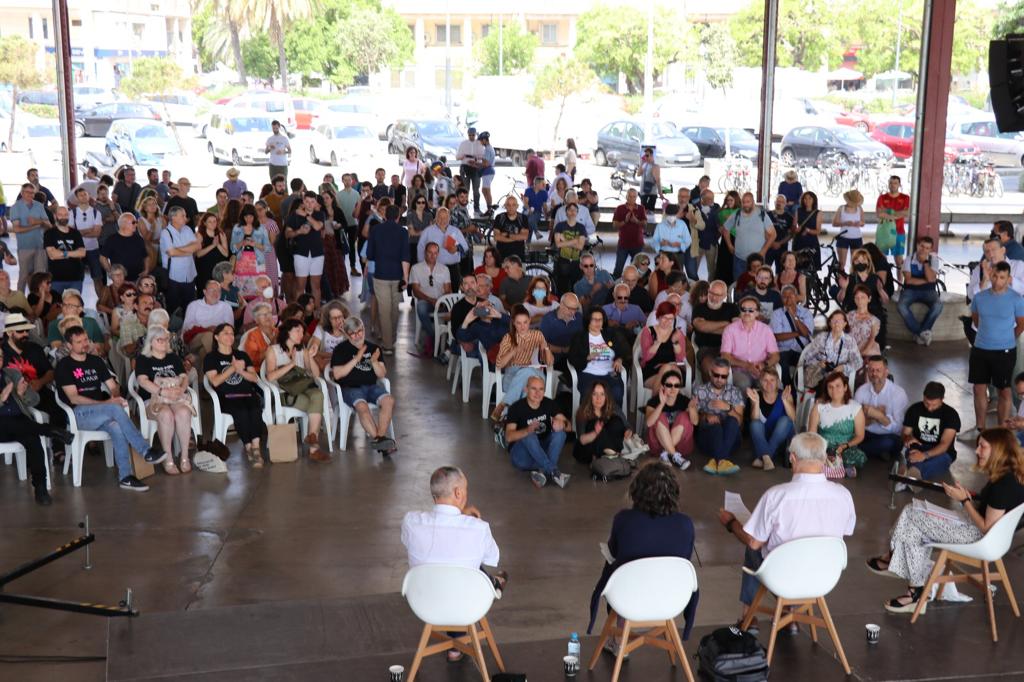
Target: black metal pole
{"points": [[73, 607], [64, 550]]}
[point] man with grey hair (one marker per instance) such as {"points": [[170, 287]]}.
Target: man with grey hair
{"points": [[357, 367], [793, 325], [808, 506], [127, 247], [178, 243]]}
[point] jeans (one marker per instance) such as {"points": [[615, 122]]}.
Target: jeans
{"points": [[179, 295], [933, 467], [883, 446], [788, 360], [58, 288], [513, 382], [739, 266], [620, 259], [771, 444], [425, 313], [930, 299], [612, 381], [719, 440], [538, 453], [113, 420], [96, 271], [690, 264], [533, 220], [749, 585]]}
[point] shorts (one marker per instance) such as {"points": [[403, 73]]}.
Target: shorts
{"points": [[486, 180], [899, 248], [846, 243], [309, 266], [991, 367], [363, 394]]}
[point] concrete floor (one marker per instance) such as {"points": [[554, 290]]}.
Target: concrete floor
{"points": [[307, 531]]}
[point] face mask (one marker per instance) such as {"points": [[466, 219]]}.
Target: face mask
{"points": [[860, 267], [671, 219], [642, 271], [539, 294], [268, 292]]}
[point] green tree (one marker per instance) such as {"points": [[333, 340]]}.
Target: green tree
{"points": [[18, 70], [276, 17], [156, 76], [517, 47], [1009, 19], [259, 57], [747, 30], [612, 39], [373, 39], [717, 54], [560, 80]]}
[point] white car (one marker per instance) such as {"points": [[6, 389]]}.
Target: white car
{"points": [[1003, 149], [339, 140], [277, 106], [91, 96], [180, 108], [240, 137], [40, 137]]}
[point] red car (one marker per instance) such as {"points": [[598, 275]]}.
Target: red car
{"points": [[898, 135], [306, 112], [858, 120]]}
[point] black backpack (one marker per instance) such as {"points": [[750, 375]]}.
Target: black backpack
{"points": [[732, 655]]}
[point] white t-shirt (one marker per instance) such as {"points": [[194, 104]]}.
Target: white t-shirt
{"points": [[328, 341], [602, 364], [86, 219], [278, 149], [421, 273]]}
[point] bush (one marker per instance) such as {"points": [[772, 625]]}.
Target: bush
{"points": [[40, 110]]}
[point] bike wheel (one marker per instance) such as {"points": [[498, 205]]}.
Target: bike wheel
{"points": [[531, 270]]}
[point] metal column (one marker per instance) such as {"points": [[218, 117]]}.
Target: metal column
{"points": [[930, 120], [764, 141], [65, 94]]}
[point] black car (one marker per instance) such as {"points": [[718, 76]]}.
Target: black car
{"points": [[431, 138], [711, 141], [47, 97], [810, 143], [96, 122]]}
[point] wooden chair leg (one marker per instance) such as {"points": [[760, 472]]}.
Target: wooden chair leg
{"points": [[940, 565], [668, 637], [1001, 568], [752, 609], [606, 632], [833, 633], [479, 653], [814, 628], [678, 641], [987, 579], [622, 652], [492, 644], [418, 658], [779, 601]]}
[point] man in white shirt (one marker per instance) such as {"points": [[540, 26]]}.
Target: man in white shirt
{"points": [[884, 405], [202, 317], [429, 282], [470, 154], [177, 244], [87, 220], [981, 276], [278, 147], [450, 240], [808, 506]]}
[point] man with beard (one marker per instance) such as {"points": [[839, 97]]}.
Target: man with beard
{"points": [[30, 359], [709, 322]]}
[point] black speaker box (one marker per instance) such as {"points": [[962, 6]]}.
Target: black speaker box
{"points": [[1006, 78]]}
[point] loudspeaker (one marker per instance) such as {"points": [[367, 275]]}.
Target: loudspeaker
{"points": [[1006, 78]]}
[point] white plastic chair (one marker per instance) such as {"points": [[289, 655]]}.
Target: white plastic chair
{"points": [[147, 426], [799, 574], [648, 593], [222, 421], [75, 458], [463, 372], [283, 413], [977, 555], [15, 451], [451, 599], [346, 413], [442, 325], [574, 388], [492, 382]]}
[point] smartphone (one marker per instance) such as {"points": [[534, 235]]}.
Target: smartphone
{"points": [[481, 311]]}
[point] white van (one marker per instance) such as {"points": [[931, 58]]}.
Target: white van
{"points": [[277, 105]]}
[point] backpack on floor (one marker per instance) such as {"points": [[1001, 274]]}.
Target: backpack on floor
{"points": [[610, 468], [732, 655]]}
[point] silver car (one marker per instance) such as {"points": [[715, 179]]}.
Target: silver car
{"points": [[1003, 149], [343, 140], [622, 141], [240, 137]]}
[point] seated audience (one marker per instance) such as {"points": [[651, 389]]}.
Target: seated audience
{"points": [[638, 295], [884, 403], [768, 298], [491, 266], [667, 417], [329, 333], [919, 277], [662, 346], [234, 378], [717, 412], [224, 275], [755, 262], [793, 325], [163, 386], [72, 306], [258, 339], [429, 282], [539, 299], [560, 325], [514, 286], [833, 350], [292, 365], [664, 265], [357, 368], [929, 436], [265, 295], [772, 420], [748, 344], [623, 315], [790, 276], [202, 316], [598, 354], [595, 284], [519, 353], [839, 419], [535, 430], [709, 322], [864, 326], [601, 427]]}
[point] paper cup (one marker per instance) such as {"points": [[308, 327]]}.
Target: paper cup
{"points": [[397, 672], [872, 631]]}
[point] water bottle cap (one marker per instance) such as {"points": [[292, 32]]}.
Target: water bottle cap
{"points": [[575, 635]]}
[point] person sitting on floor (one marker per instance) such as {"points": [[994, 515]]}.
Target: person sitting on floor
{"points": [[772, 419], [667, 417], [808, 506], [929, 436], [601, 427], [535, 431], [717, 412]]}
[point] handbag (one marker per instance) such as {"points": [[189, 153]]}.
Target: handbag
{"points": [[295, 382], [885, 235], [834, 469], [281, 442]]}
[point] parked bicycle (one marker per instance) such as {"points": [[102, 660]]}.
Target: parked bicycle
{"points": [[820, 290]]}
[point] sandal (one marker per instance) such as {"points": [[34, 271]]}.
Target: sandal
{"points": [[255, 457], [880, 566], [186, 465], [169, 468], [906, 603]]}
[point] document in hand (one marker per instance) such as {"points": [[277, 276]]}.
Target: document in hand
{"points": [[734, 504], [948, 515]]}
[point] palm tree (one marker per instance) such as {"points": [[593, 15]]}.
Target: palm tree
{"points": [[272, 16], [226, 33]]}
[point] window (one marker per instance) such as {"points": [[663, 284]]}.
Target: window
{"points": [[484, 30], [46, 28], [549, 34], [456, 34], [31, 29], [76, 22]]}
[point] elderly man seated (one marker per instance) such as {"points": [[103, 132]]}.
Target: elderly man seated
{"points": [[749, 345], [202, 316], [809, 505], [357, 367], [622, 314], [560, 326], [793, 325], [73, 306]]}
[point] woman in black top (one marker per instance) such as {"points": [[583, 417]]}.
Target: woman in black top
{"points": [[601, 427], [419, 218], [15, 426], [163, 385], [808, 226], [597, 352], [1001, 459], [214, 249], [233, 377], [864, 273]]}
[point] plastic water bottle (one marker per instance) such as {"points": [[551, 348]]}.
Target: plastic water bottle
{"points": [[574, 646]]}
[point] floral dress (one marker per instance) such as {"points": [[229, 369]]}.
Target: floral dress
{"points": [[863, 329], [836, 426]]}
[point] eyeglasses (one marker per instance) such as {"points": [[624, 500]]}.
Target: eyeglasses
{"points": [[719, 376], [671, 385], [129, 294], [748, 310], [622, 298], [430, 280], [587, 267]]}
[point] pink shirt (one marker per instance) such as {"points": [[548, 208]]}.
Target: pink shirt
{"points": [[810, 505], [753, 345]]}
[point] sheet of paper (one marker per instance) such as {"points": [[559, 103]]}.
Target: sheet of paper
{"points": [[606, 553], [950, 515], [734, 504]]}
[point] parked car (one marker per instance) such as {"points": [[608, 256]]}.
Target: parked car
{"points": [[809, 143], [1003, 149], [90, 96], [40, 136], [306, 112], [180, 107], [710, 141], [96, 122], [47, 97], [277, 105], [898, 135], [432, 138], [240, 137], [141, 141], [368, 107], [342, 140], [622, 141]]}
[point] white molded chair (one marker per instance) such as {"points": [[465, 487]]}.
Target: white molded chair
{"points": [[799, 573], [574, 388], [463, 372], [977, 555], [147, 426], [222, 421], [75, 457], [451, 598], [648, 593], [641, 394], [283, 413], [442, 325], [13, 450], [346, 413], [492, 381]]}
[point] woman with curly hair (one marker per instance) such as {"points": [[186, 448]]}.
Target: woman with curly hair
{"points": [[653, 527], [600, 424]]}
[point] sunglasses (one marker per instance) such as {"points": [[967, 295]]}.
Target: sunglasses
{"points": [[671, 385], [720, 376], [587, 267], [430, 280], [128, 294], [748, 310], [622, 298]]}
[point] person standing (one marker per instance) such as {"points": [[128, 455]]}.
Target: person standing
{"points": [[650, 181], [233, 186], [1003, 231], [849, 218], [486, 171], [305, 228], [388, 250], [629, 220], [469, 155], [278, 147], [65, 253], [177, 245], [183, 200], [126, 191], [534, 168], [571, 155], [511, 230], [791, 188], [894, 205], [747, 231], [28, 222]]}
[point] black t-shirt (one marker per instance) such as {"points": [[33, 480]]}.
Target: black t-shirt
{"points": [[1005, 493], [703, 311], [127, 251], [33, 300], [65, 269], [362, 374], [187, 203], [236, 386], [511, 227], [459, 312], [87, 376], [127, 195], [514, 290], [312, 244], [151, 368], [31, 362], [770, 298], [673, 410], [927, 427], [521, 415], [640, 298]]}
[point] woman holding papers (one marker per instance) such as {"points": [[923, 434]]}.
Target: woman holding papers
{"points": [[1001, 459]]}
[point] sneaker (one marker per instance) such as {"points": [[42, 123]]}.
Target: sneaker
{"points": [[133, 484], [664, 457], [969, 436], [501, 438], [383, 443], [769, 465], [918, 339], [43, 498], [559, 479], [926, 336], [851, 472], [538, 479], [154, 455], [727, 468], [711, 468], [680, 462], [757, 463]]}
